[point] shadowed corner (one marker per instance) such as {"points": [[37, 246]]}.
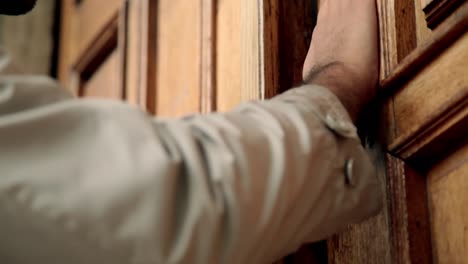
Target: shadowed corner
{"points": [[16, 7]]}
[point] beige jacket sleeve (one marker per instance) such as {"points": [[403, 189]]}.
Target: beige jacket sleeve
{"points": [[93, 181]]}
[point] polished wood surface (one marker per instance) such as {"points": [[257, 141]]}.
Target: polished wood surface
{"points": [[104, 83], [448, 199], [247, 51], [448, 32], [91, 33], [445, 80], [141, 51], [228, 46], [91, 16], [178, 59], [208, 56]]}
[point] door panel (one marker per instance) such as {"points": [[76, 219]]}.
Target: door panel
{"points": [[91, 17], [247, 51], [448, 199], [178, 57], [441, 84], [228, 40], [104, 82], [93, 47]]}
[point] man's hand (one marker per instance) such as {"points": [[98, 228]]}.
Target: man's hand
{"points": [[343, 54]]}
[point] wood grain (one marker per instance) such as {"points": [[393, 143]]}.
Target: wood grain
{"points": [[367, 242], [251, 75], [105, 82], [437, 138], [228, 44], [178, 57], [259, 49], [89, 38], [405, 27], [447, 190], [106, 50], [98, 49], [141, 54], [382, 128], [91, 16], [388, 37], [67, 47], [418, 221], [208, 53], [122, 43], [448, 32], [294, 33], [414, 121], [269, 48], [397, 210], [247, 51], [135, 26]]}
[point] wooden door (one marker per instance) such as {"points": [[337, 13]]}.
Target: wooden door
{"points": [[178, 57], [423, 125], [93, 48]]}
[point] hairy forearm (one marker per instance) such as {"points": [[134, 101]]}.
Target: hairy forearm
{"points": [[340, 80]]}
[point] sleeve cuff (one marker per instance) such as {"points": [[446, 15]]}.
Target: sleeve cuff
{"points": [[326, 106]]}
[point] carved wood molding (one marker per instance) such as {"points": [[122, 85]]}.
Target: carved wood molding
{"points": [[388, 37], [208, 56], [112, 36], [141, 54], [98, 49], [445, 35], [437, 10], [433, 136], [425, 134], [428, 129], [446, 130]]}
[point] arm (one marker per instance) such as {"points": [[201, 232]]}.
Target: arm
{"points": [[343, 53], [88, 181], [101, 182], [98, 181]]}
